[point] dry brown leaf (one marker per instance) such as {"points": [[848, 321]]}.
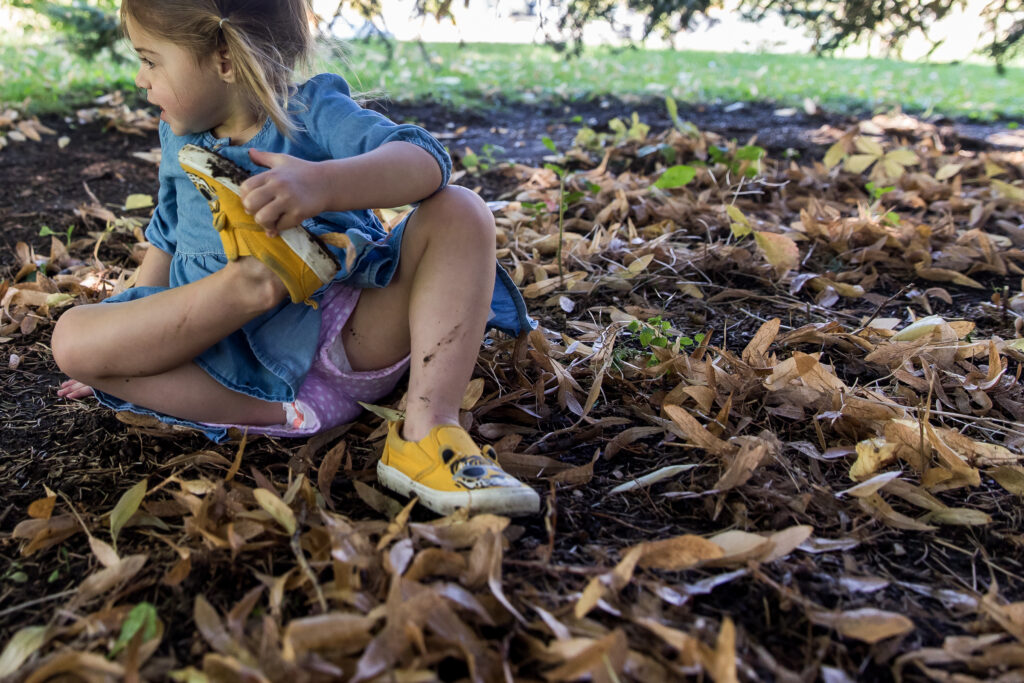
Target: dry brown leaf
{"points": [[780, 251], [328, 470], [755, 353], [455, 531], [687, 647], [871, 455], [578, 476], [342, 241], [875, 505], [109, 577], [44, 533], [436, 562], [603, 661], [22, 645], [959, 517], [721, 662], [742, 465], [92, 667], [738, 547], [696, 433], [1010, 477], [946, 275], [42, 508], [867, 625], [382, 503], [786, 541], [915, 495], [870, 486], [347, 633], [474, 391], [593, 592], [276, 508], [677, 553]]}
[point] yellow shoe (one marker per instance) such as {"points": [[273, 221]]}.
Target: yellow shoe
{"points": [[297, 257], [446, 470]]}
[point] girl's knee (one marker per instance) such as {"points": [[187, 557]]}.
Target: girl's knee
{"points": [[461, 211], [66, 345]]}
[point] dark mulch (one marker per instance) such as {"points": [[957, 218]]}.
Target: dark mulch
{"points": [[85, 454]]}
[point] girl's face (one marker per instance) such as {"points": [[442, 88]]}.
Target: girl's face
{"points": [[193, 97]]}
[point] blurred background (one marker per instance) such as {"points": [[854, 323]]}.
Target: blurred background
{"points": [[951, 57]]}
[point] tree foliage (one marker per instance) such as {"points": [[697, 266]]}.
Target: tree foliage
{"points": [[91, 25], [835, 24]]}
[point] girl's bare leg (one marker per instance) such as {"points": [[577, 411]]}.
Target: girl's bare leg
{"points": [[187, 392], [141, 351], [435, 309], [166, 330]]}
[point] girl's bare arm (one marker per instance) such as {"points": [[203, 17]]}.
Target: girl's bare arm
{"points": [[155, 270], [293, 190]]}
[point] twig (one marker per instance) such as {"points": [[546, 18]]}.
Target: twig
{"points": [[30, 603], [878, 310], [561, 216], [555, 569]]}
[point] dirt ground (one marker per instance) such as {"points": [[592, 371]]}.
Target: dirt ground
{"points": [[86, 455]]}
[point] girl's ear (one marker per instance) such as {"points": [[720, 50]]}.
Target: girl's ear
{"points": [[224, 65]]}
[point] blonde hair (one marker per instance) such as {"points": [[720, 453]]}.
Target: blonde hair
{"points": [[266, 41]]}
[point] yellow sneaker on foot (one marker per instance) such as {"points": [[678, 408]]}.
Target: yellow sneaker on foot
{"points": [[297, 257], [446, 470]]}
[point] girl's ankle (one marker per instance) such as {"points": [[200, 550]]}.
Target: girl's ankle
{"points": [[415, 430]]}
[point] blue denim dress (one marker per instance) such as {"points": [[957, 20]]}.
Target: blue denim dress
{"points": [[269, 357]]}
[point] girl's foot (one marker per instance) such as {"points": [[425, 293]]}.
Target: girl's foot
{"points": [[72, 388], [446, 470]]}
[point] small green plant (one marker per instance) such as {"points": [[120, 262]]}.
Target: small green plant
{"points": [[635, 131], [655, 333], [668, 152], [684, 127], [876, 193], [745, 160], [45, 231], [632, 130], [14, 573], [478, 163], [142, 620], [676, 176]]}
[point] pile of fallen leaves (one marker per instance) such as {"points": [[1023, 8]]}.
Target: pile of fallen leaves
{"points": [[791, 386]]}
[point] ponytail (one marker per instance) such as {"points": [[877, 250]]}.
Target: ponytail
{"points": [[261, 72]]}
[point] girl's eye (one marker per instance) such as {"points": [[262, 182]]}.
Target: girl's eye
{"points": [[146, 63]]}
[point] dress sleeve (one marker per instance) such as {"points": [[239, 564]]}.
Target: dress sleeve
{"points": [[343, 128], [161, 230]]}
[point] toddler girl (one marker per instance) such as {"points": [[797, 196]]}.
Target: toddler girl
{"points": [[217, 331]]}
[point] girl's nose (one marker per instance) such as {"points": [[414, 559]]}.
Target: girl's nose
{"points": [[140, 81]]}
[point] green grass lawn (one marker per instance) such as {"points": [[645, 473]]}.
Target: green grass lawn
{"points": [[480, 74]]}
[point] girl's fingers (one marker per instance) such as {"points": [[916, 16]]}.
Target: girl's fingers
{"points": [[252, 183], [268, 217], [256, 198]]}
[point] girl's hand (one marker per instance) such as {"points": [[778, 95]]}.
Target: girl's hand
{"points": [[284, 196], [72, 388]]}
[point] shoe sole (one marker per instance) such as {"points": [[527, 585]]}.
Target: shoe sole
{"points": [[521, 501], [305, 245]]}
